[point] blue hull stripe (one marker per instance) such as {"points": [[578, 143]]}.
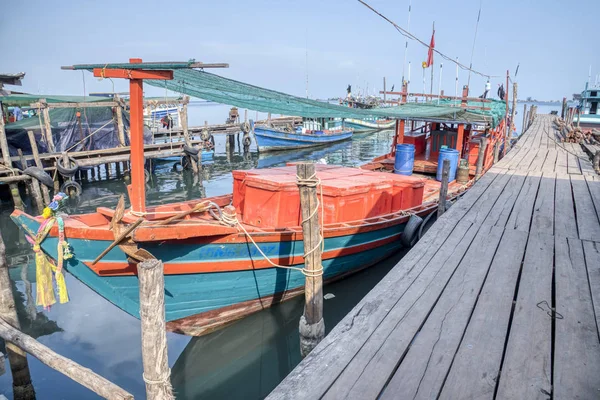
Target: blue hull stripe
{"points": [[191, 294]]}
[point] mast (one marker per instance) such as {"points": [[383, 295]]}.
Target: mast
{"points": [[406, 44]]}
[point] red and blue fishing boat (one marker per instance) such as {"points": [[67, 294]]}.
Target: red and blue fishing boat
{"points": [[228, 256]]}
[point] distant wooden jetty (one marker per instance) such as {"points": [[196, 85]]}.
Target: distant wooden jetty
{"points": [[501, 298]]}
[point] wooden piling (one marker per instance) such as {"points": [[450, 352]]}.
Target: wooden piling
{"points": [[14, 187], [17, 358], [563, 111], [444, 188], [186, 135], [480, 157], [120, 126], [154, 336], [497, 151], [47, 125], [312, 326], [38, 163]]}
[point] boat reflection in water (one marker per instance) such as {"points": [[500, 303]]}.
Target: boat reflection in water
{"points": [[249, 358]]}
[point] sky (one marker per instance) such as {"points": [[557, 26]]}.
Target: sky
{"points": [[278, 44]]}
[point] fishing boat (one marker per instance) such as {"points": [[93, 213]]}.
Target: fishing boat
{"points": [[365, 125], [588, 116], [272, 139], [228, 256]]}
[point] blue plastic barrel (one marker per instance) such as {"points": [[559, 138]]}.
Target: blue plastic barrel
{"points": [[405, 159], [452, 156]]}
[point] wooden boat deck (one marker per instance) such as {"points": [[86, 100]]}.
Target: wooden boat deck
{"points": [[500, 299]]}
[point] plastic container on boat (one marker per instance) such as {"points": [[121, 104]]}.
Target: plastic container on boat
{"points": [[452, 156], [405, 159]]}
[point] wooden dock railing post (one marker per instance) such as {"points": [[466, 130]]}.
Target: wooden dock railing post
{"points": [[47, 125], [312, 325], [480, 157], [17, 358], [524, 127], [444, 188], [186, 136], [154, 335]]}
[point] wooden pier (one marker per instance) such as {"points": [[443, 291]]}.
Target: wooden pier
{"points": [[500, 299]]}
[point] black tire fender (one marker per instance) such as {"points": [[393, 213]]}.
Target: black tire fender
{"points": [[191, 151], [40, 175], [410, 234], [67, 170], [68, 185]]}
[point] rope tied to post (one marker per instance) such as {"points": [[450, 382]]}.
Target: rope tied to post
{"points": [[230, 219], [162, 381]]}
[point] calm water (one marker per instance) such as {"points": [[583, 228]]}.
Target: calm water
{"points": [[246, 360]]}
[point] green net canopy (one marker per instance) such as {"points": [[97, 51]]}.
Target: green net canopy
{"points": [[25, 100], [216, 88]]}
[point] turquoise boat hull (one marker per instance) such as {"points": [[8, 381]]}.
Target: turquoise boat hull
{"points": [[269, 139]]}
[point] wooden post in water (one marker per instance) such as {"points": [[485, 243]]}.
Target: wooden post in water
{"points": [[120, 126], [47, 125], [17, 358], [14, 187], [564, 108], [480, 157], [38, 163], [186, 135], [312, 326], [154, 335], [444, 188]]}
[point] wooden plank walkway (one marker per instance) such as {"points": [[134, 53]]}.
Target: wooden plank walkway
{"points": [[500, 299]]}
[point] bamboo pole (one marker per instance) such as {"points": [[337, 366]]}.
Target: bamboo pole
{"points": [[154, 336], [38, 162], [312, 325], [444, 188], [84, 376], [17, 358]]}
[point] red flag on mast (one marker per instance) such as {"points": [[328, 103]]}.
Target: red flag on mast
{"points": [[430, 52]]}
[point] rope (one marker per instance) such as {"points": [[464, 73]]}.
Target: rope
{"points": [[164, 380], [313, 181]]}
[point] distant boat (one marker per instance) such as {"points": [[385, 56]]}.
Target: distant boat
{"points": [[365, 125], [589, 106], [271, 139]]}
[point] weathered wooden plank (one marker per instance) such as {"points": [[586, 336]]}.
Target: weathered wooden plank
{"points": [[538, 161], [506, 201], [371, 367], [526, 370], [564, 212], [474, 372], [588, 224], [543, 210], [576, 346], [593, 182], [423, 370], [317, 372], [550, 162], [592, 260], [573, 162], [520, 216], [561, 162]]}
